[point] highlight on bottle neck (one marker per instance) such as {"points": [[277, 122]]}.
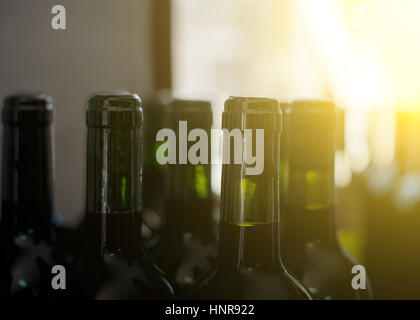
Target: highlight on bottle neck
{"points": [[283, 152], [283, 139], [114, 170], [27, 179], [310, 154], [251, 199]]}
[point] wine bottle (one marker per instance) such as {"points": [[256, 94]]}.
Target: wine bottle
{"points": [[312, 251], [115, 264], [249, 265], [26, 232], [188, 247]]}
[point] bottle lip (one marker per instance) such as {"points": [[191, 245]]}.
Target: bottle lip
{"points": [[319, 114], [196, 106], [115, 101], [198, 113], [308, 106], [252, 105], [28, 108], [121, 111], [28, 102]]}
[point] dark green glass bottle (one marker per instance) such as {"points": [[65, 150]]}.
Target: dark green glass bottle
{"points": [[115, 264], [249, 264], [188, 247], [26, 232], [312, 251]]}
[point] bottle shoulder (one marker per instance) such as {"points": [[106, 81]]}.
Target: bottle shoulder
{"points": [[27, 265], [309, 267], [260, 283], [111, 275]]}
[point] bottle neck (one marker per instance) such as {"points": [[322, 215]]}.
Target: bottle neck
{"points": [[249, 245], [189, 202], [27, 197], [310, 187], [189, 206], [250, 212], [114, 188]]}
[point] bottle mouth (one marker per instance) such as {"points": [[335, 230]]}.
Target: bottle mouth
{"points": [[181, 103], [252, 113], [28, 109], [321, 114], [115, 101], [251, 105], [190, 106], [37, 102], [197, 112], [311, 107], [121, 111]]}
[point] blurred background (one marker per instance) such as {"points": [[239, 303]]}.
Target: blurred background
{"points": [[362, 54]]}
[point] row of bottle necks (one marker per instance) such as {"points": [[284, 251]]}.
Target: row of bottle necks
{"points": [[276, 238]]}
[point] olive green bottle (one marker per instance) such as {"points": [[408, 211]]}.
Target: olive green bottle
{"points": [[249, 265], [311, 248], [115, 264], [27, 237]]}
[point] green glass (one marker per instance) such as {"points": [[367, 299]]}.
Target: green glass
{"points": [[115, 264], [311, 248], [188, 246], [249, 264]]}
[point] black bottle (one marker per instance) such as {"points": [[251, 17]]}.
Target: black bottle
{"points": [[26, 232]]}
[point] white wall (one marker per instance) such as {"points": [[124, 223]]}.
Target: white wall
{"points": [[107, 46]]}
